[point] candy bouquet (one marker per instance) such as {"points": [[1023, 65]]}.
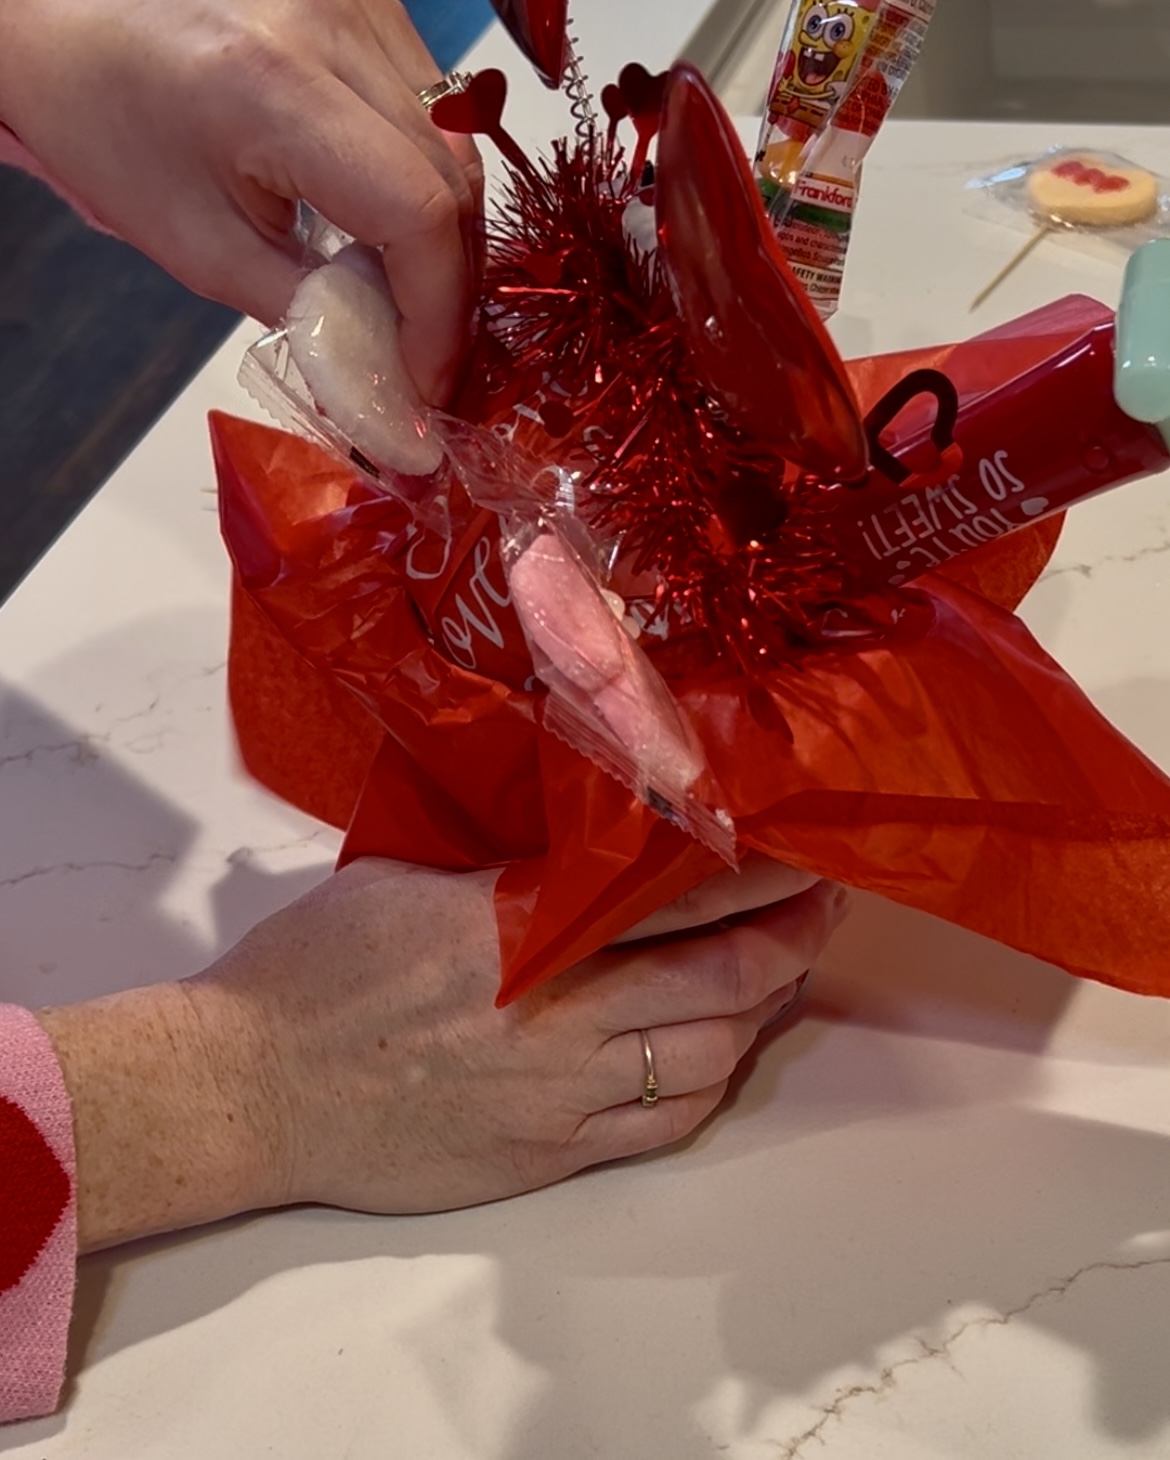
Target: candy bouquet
{"points": [[671, 583]]}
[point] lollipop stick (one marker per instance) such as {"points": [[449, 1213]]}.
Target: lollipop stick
{"points": [[1009, 268]]}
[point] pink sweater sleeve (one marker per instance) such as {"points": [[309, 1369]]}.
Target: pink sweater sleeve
{"points": [[13, 153], [38, 1218]]}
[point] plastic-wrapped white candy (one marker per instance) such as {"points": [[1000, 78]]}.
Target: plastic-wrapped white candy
{"points": [[342, 331]]}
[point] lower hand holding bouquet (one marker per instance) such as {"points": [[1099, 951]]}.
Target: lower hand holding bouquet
{"points": [[348, 1052], [413, 1093]]}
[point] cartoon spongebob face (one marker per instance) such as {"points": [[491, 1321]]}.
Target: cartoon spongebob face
{"points": [[831, 35], [821, 60]]}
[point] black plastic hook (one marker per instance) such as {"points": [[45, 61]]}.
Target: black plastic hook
{"points": [[895, 401]]}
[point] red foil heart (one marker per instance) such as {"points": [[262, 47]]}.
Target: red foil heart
{"points": [[478, 109], [755, 338], [34, 1192], [540, 29]]}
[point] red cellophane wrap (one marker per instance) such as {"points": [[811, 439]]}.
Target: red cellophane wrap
{"points": [[957, 770]]}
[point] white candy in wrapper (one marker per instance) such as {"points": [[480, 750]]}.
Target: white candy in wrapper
{"points": [[342, 332]]}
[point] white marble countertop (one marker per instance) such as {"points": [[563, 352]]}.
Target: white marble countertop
{"points": [[934, 1222]]}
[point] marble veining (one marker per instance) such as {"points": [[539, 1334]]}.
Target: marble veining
{"points": [[1087, 570], [65, 868], [838, 1408]]}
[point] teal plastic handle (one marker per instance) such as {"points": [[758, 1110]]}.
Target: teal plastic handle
{"points": [[1142, 381]]}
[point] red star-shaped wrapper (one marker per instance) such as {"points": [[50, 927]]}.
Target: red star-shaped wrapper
{"points": [[380, 678], [961, 772]]}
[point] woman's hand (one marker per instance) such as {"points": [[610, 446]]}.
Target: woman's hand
{"points": [[348, 1051], [192, 128]]}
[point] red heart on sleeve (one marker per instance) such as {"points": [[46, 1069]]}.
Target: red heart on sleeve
{"points": [[34, 1192]]}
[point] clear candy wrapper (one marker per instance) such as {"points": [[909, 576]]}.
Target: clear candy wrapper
{"points": [[1083, 192], [840, 68], [333, 373], [606, 699]]}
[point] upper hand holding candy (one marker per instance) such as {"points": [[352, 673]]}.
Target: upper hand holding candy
{"points": [[192, 128]]}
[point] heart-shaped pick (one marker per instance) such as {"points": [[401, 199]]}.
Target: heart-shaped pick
{"points": [[755, 338], [479, 108], [557, 417], [615, 105], [643, 95], [540, 29]]}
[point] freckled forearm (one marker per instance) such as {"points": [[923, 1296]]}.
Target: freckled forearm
{"points": [[169, 1130]]}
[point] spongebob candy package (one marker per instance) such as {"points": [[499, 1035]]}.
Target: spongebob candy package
{"points": [[840, 67]]}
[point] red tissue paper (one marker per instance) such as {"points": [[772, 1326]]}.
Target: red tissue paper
{"points": [[381, 679]]}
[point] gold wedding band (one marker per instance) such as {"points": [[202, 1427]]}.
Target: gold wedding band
{"points": [[650, 1083], [451, 85]]}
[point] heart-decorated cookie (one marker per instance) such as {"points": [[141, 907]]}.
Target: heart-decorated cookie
{"points": [[1091, 191]]}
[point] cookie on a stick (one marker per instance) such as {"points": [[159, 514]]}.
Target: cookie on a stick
{"points": [[1081, 190]]}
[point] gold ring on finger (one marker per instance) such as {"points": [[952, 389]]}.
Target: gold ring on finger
{"points": [[451, 85], [650, 1079]]}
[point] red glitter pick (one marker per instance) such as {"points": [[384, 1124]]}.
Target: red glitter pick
{"points": [[754, 336], [540, 29]]}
